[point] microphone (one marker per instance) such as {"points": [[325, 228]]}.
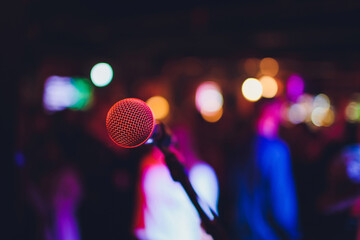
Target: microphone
{"points": [[130, 122]]}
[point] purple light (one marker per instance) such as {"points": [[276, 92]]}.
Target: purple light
{"points": [[67, 195], [59, 93], [295, 87], [269, 120], [20, 159]]}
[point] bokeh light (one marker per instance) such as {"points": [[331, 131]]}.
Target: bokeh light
{"points": [[322, 101], [329, 118], [269, 86], [297, 113], [352, 112], [317, 116], [269, 119], [208, 99], [322, 114], [159, 106], [212, 117], [294, 87], [352, 158], [65, 92], [84, 93], [101, 74], [252, 89], [322, 117], [20, 159], [306, 100], [59, 93], [269, 67]]}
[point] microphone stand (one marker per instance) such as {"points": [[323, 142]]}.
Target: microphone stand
{"points": [[162, 139]]}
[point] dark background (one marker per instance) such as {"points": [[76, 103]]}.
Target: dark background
{"points": [[320, 39]]}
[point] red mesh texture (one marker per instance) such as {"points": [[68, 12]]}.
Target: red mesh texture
{"points": [[130, 122]]}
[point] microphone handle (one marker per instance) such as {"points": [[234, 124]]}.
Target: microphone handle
{"points": [[178, 173]]}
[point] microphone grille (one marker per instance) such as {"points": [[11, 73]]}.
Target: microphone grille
{"points": [[130, 122]]}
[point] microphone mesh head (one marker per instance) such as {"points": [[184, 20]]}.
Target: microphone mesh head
{"points": [[130, 122]]}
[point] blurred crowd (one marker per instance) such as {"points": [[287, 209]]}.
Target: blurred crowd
{"points": [[270, 178]]}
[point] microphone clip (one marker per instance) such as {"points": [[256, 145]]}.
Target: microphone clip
{"points": [[161, 136]]}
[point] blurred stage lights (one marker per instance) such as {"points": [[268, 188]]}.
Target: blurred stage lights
{"points": [[294, 87], [316, 110], [59, 93], [351, 156], [65, 92], [306, 100], [329, 118], [252, 89], [352, 112], [269, 85], [296, 113], [84, 93], [322, 114], [159, 106], [208, 99], [269, 67], [322, 117], [101, 74], [212, 117], [321, 101]]}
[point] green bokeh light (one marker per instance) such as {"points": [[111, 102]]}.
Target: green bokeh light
{"points": [[84, 94]]}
